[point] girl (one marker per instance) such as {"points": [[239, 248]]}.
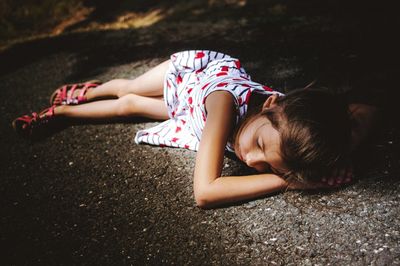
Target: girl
{"points": [[210, 104]]}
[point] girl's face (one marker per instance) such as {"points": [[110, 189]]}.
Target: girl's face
{"points": [[258, 143]]}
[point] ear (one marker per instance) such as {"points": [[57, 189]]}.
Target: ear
{"points": [[270, 102]]}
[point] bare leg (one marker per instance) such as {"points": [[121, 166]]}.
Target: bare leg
{"points": [[130, 105], [150, 83], [142, 96]]}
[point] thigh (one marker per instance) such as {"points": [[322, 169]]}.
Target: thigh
{"points": [[150, 84], [150, 107]]}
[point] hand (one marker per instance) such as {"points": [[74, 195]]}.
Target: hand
{"points": [[338, 177]]}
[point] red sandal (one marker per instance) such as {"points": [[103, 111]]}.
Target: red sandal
{"points": [[63, 95], [28, 125]]}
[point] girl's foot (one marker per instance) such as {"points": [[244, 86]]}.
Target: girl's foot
{"points": [[30, 126], [72, 94]]}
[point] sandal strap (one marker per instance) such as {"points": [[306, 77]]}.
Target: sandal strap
{"points": [[25, 118], [27, 124], [81, 97], [48, 112], [65, 94], [70, 98]]}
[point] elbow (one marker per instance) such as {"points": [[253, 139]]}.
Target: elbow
{"points": [[202, 204], [203, 199]]}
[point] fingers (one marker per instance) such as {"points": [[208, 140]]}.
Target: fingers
{"points": [[339, 177]]}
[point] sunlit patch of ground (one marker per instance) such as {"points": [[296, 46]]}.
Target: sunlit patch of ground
{"points": [[81, 19], [130, 20], [81, 15], [127, 20]]}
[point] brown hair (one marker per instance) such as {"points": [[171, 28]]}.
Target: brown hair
{"points": [[314, 130]]}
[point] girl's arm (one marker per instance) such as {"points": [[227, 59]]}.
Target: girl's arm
{"points": [[210, 188]]}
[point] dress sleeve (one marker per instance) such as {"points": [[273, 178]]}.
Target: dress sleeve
{"points": [[195, 60]]}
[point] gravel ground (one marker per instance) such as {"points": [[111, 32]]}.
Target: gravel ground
{"points": [[88, 195]]}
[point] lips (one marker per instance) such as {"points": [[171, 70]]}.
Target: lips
{"points": [[240, 157]]}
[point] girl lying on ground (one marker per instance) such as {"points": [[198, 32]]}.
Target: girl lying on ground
{"points": [[301, 140]]}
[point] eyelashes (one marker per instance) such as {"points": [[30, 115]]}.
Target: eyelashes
{"points": [[259, 143]]}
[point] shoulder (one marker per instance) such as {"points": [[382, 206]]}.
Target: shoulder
{"points": [[220, 101]]}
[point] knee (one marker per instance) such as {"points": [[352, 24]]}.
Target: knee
{"points": [[127, 105], [124, 87]]}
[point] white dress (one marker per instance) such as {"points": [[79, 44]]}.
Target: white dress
{"points": [[191, 77]]}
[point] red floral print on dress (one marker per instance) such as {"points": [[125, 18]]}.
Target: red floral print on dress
{"points": [[179, 79], [266, 88], [199, 55], [248, 96], [237, 63], [205, 86], [222, 84], [221, 74], [199, 70], [224, 68]]}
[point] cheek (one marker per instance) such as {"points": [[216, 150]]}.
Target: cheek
{"points": [[242, 134], [245, 140]]}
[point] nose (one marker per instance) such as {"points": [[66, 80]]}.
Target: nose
{"points": [[253, 159]]}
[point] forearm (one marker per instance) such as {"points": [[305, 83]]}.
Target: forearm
{"points": [[228, 189]]}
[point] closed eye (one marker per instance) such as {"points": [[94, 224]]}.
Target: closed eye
{"points": [[259, 144]]}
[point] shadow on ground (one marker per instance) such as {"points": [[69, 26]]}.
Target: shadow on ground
{"points": [[89, 195]]}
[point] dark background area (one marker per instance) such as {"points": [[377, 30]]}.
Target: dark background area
{"points": [[88, 195], [341, 43]]}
